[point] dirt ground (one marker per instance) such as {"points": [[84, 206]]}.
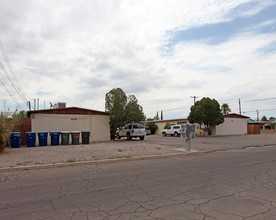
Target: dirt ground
{"points": [[152, 145]]}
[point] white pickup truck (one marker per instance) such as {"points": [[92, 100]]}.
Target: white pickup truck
{"points": [[132, 130], [173, 130]]}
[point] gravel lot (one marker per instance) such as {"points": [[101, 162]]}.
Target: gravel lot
{"points": [[152, 145]]}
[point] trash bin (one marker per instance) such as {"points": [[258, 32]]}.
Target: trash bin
{"points": [[31, 139], [42, 138], [54, 137], [85, 137], [15, 139], [65, 137], [75, 137]]}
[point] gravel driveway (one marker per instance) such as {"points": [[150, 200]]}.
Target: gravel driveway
{"points": [[152, 145]]}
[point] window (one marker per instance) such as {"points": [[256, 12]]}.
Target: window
{"points": [[138, 126]]}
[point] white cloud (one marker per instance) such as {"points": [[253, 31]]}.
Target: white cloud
{"points": [[79, 50]]}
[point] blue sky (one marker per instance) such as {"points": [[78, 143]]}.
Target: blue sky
{"points": [[161, 52], [263, 22]]}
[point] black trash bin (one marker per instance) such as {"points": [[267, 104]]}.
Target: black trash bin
{"points": [[65, 135], [15, 139], [31, 139], [85, 137]]}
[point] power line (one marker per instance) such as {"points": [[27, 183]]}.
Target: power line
{"points": [[255, 100], [8, 91], [260, 110], [10, 79], [6, 73], [6, 58]]}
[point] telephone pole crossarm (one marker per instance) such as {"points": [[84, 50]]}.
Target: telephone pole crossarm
{"points": [[194, 97]]}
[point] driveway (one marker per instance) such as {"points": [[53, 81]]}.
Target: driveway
{"points": [[152, 146], [217, 142]]}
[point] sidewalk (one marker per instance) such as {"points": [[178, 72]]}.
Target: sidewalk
{"points": [[152, 146]]}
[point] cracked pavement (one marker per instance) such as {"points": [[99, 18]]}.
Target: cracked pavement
{"points": [[238, 184]]}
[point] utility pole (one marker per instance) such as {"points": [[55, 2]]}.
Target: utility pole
{"points": [[240, 106], [194, 97]]}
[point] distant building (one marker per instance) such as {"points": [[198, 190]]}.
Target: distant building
{"points": [[234, 124]]}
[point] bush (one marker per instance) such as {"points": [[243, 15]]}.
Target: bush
{"points": [[152, 126], [7, 125]]}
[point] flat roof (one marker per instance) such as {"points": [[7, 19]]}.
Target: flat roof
{"points": [[234, 115], [68, 110]]}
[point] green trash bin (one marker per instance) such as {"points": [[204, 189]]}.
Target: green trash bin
{"points": [[75, 137], [85, 137], [65, 137]]}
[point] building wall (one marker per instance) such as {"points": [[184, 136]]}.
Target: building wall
{"points": [[231, 126], [160, 126], [98, 125]]}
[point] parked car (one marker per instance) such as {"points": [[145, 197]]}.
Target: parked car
{"points": [[173, 130], [132, 130], [148, 132]]}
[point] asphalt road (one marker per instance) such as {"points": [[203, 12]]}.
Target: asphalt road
{"points": [[236, 184]]}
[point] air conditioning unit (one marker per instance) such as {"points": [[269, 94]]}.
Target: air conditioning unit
{"points": [[60, 105]]}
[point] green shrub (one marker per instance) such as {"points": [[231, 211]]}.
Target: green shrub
{"points": [[152, 126], [7, 125]]}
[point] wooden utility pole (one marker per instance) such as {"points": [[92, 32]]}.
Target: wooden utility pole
{"points": [[240, 106], [194, 97]]}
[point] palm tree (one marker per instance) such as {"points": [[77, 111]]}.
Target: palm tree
{"points": [[225, 108]]}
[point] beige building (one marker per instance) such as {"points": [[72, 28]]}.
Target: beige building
{"points": [[234, 124], [72, 119]]}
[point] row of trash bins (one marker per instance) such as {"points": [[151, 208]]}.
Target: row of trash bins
{"points": [[15, 138]]}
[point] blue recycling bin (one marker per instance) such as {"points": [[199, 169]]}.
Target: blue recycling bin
{"points": [[42, 138], [15, 139], [54, 137], [31, 139]]}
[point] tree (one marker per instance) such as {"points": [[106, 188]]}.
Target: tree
{"points": [[264, 118], [133, 111], [225, 108], [22, 114], [115, 102], [122, 109], [206, 112]]}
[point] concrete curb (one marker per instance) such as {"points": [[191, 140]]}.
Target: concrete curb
{"points": [[101, 161]]}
